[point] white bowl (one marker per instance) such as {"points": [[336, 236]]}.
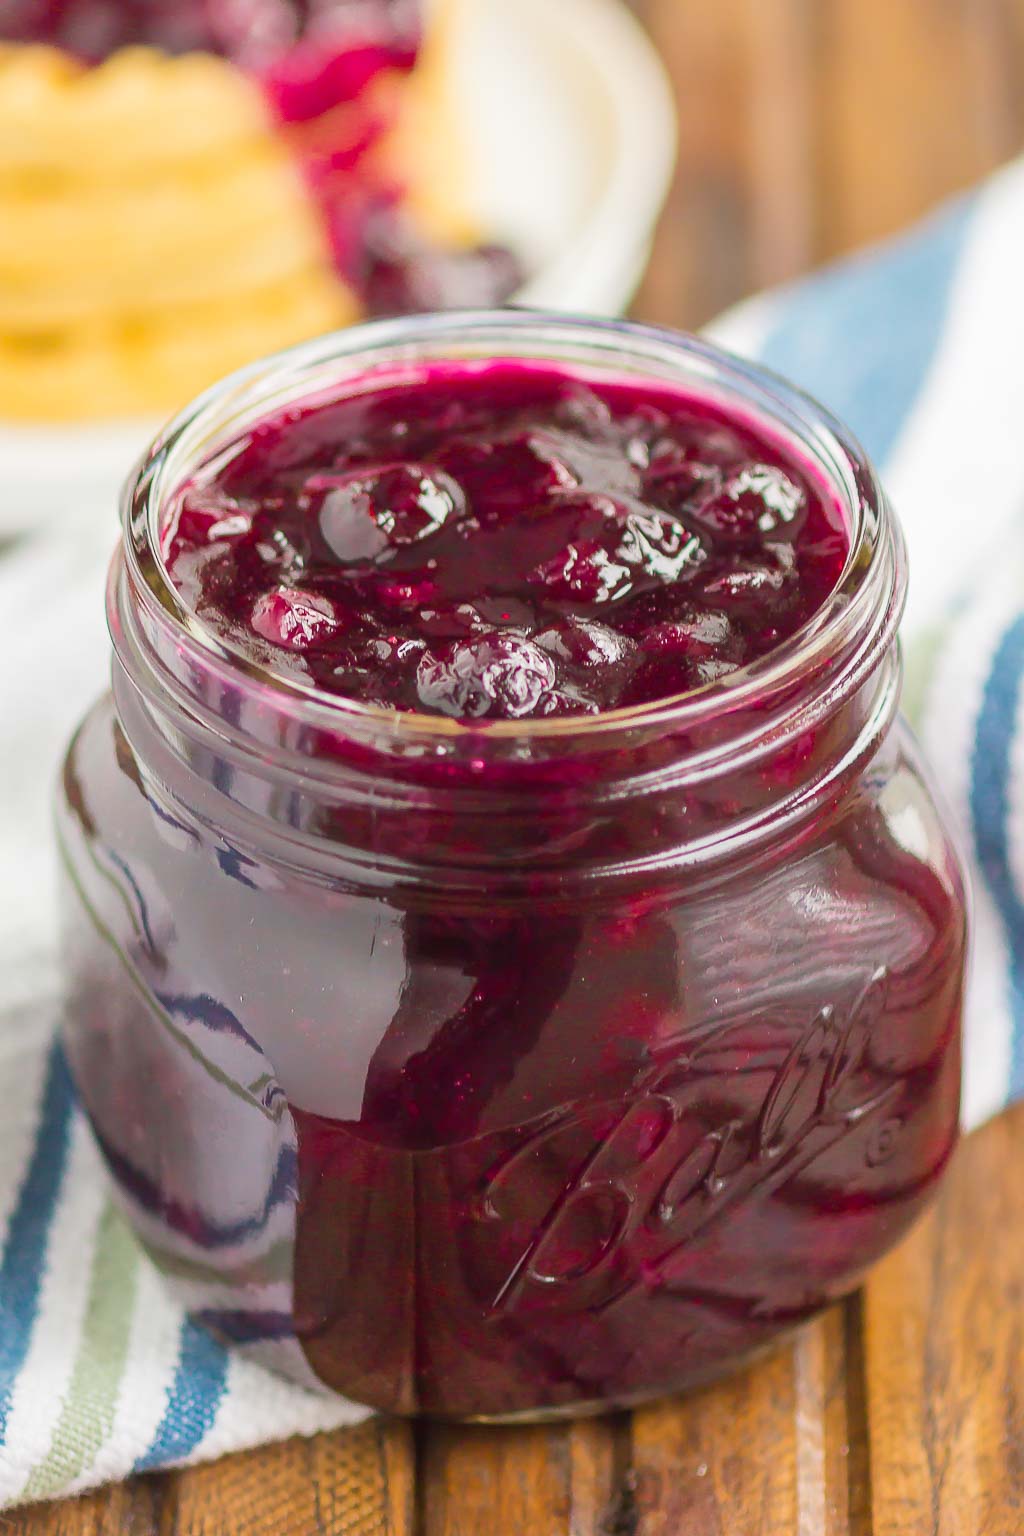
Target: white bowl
{"points": [[574, 142], [576, 134]]}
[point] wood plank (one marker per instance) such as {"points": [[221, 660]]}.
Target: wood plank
{"points": [[850, 1429], [491, 1481], [400, 1479], [356, 1482], [766, 1451], [599, 1478], [944, 1350], [722, 1460], [905, 110], [811, 127], [126, 1509], [701, 261], [830, 1393], [1011, 43], [994, 36], [783, 145]]}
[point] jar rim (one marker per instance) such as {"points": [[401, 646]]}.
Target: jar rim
{"points": [[862, 611]]}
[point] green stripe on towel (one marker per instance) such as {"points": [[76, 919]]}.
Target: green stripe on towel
{"points": [[87, 1415]]}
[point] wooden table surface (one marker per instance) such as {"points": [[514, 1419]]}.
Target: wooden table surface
{"points": [[807, 128], [900, 1413]]}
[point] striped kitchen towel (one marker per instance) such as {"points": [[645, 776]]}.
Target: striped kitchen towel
{"points": [[101, 1374], [919, 347]]}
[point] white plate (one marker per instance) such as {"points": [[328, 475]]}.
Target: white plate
{"points": [[574, 144]]}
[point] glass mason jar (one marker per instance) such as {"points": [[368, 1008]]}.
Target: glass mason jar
{"points": [[482, 1071]]}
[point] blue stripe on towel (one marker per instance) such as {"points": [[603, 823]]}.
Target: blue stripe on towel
{"points": [[863, 335], [200, 1382], [247, 1327], [190, 1221], [23, 1265], [991, 783]]}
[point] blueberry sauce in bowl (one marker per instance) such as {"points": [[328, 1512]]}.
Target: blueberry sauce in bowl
{"points": [[513, 954]]}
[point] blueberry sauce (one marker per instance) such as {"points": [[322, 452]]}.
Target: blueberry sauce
{"points": [[93, 30], [506, 543]]}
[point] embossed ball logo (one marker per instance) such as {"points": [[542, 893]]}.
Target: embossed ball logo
{"points": [[611, 1195]]}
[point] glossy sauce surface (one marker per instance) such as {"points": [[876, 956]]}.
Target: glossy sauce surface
{"points": [[506, 542]]}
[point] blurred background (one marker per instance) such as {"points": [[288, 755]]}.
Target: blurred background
{"points": [[806, 129], [811, 127]]}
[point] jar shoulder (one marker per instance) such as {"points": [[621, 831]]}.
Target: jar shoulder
{"points": [[597, 986], [105, 791]]}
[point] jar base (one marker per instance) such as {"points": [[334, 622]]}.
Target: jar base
{"points": [[596, 1408]]}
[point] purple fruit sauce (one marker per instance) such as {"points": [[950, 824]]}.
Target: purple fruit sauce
{"points": [[506, 543], [490, 1056]]}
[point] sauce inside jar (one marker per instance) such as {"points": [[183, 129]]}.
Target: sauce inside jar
{"points": [[506, 542], [504, 1071]]}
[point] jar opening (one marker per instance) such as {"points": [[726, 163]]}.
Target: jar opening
{"points": [[859, 616]]}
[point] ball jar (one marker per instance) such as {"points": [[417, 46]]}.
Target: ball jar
{"points": [[486, 1070]]}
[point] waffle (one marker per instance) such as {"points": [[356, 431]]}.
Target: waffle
{"points": [[113, 367], [137, 115], [155, 232]]}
